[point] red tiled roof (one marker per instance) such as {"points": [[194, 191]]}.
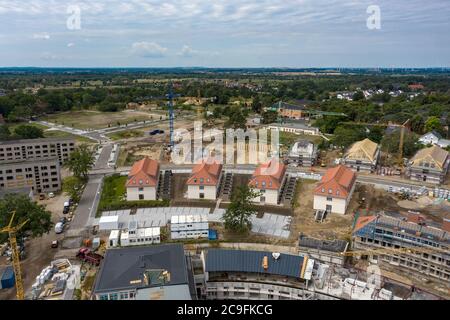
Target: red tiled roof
{"points": [[268, 175], [361, 222], [144, 173], [415, 217], [337, 182], [207, 173]]}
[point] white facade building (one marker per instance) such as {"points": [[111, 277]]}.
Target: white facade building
{"points": [[143, 180], [189, 227], [268, 179], [204, 180]]}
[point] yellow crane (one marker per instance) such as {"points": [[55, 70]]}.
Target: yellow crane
{"points": [[402, 140], [15, 253]]}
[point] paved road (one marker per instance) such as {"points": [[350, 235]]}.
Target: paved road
{"points": [[87, 207]]}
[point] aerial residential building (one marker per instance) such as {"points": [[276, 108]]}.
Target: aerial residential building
{"points": [[41, 175], [303, 153], [143, 179], [334, 192], [268, 179], [135, 236], [382, 231], [189, 227], [362, 156], [429, 164], [157, 272], [204, 180], [294, 127], [434, 138], [36, 149], [323, 250], [245, 274], [292, 111]]}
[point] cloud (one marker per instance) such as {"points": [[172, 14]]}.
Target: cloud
{"points": [[187, 51], [49, 56], [41, 36], [71, 44], [148, 49]]}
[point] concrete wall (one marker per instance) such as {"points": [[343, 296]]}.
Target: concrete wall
{"points": [[271, 197], [148, 192], [209, 192]]}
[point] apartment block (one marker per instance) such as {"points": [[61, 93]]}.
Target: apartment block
{"points": [[41, 175], [36, 149], [383, 231]]}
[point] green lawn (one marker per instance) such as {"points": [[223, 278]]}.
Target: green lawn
{"points": [[126, 134], [51, 133], [87, 119], [113, 190]]}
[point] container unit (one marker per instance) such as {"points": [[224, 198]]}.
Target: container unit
{"points": [[108, 223], [8, 278], [140, 236], [189, 227], [114, 237]]}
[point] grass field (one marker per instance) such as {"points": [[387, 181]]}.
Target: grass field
{"points": [[95, 119], [52, 133], [113, 190], [126, 134]]}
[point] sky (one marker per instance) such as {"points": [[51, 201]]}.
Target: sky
{"points": [[224, 33]]}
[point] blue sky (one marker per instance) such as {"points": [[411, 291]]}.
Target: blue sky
{"points": [[227, 33]]}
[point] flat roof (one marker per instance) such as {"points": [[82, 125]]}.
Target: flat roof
{"points": [[124, 268], [39, 140], [106, 219], [220, 260]]}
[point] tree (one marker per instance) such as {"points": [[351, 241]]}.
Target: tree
{"points": [[375, 134], [236, 119], [4, 132], [81, 161], [344, 136], [237, 216], [269, 117], [72, 186], [433, 123], [358, 95], [391, 142], [256, 104], [417, 124], [217, 112], [39, 218], [28, 132]]}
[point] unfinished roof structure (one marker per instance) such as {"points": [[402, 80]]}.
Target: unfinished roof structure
{"points": [[335, 246], [365, 150], [433, 157], [207, 172], [142, 267], [337, 182], [268, 175], [144, 173]]}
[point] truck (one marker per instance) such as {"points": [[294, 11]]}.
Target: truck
{"points": [[86, 255]]}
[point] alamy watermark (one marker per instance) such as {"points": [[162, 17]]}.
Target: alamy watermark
{"points": [[230, 146], [73, 22], [374, 20]]}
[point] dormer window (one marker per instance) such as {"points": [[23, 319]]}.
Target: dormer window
{"points": [[337, 192], [201, 180], [141, 181], [323, 190], [195, 180], [330, 191], [207, 180]]}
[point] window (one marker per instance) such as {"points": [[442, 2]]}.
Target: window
{"points": [[141, 189], [141, 197], [329, 198], [202, 187], [103, 297], [330, 191]]}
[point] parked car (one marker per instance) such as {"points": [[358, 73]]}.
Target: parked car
{"points": [[51, 195], [59, 228], [63, 220], [66, 210], [55, 244]]}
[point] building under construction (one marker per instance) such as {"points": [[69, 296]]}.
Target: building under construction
{"points": [[408, 244]]}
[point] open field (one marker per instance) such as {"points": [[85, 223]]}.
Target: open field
{"points": [[126, 134], [50, 133], [97, 120]]}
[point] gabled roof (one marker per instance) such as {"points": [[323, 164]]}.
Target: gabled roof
{"points": [[361, 222], [433, 154], [434, 133], [268, 175], [336, 182], [362, 150], [207, 172], [144, 173]]}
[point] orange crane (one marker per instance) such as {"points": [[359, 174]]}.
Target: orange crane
{"points": [[12, 231]]}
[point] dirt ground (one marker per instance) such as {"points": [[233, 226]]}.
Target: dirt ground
{"points": [[39, 254]]}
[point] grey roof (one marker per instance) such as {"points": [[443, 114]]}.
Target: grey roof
{"points": [[39, 140], [332, 246], [125, 265], [218, 260]]}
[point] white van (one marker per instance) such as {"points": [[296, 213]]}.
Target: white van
{"points": [[59, 227]]}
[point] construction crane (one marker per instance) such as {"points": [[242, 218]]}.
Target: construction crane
{"points": [[402, 141], [199, 107], [12, 231]]}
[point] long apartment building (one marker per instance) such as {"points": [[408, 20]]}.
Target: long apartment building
{"points": [[35, 149], [33, 163], [41, 175], [392, 232]]}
